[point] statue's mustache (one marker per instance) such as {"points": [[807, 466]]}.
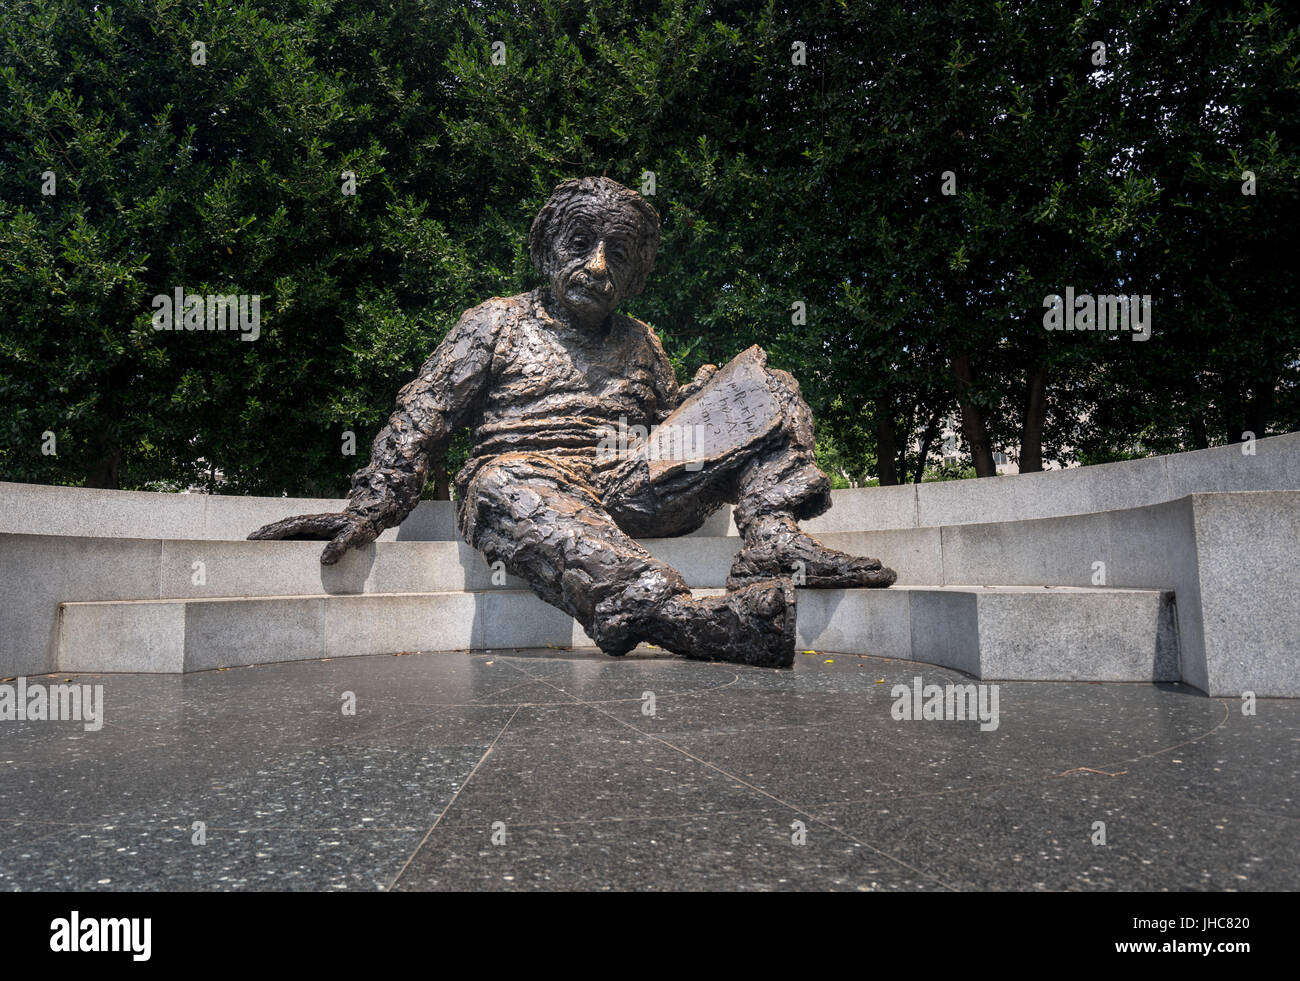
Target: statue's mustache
{"points": [[581, 278]]}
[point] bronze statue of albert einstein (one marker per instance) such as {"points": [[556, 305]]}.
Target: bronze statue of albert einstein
{"points": [[543, 379]]}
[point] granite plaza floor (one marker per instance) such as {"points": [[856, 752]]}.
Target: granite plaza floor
{"points": [[545, 769]]}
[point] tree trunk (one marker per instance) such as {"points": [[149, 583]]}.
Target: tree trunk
{"points": [[973, 425], [1234, 419], [1200, 435], [105, 458], [1260, 408], [1236, 425], [927, 440], [1031, 434], [441, 485], [886, 448]]}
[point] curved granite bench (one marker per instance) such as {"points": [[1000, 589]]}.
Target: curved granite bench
{"points": [[1169, 568]]}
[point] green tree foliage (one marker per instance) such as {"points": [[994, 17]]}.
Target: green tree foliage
{"points": [[798, 155]]}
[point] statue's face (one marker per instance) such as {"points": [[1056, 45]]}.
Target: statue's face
{"points": [[593, 259]]}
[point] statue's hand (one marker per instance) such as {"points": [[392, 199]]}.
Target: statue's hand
{"points": [[343, 531], [701, 379], [706, 372]]}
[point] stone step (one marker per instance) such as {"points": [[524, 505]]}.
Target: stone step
{"points": [[191, 569], [198, 569], [991, 632]]}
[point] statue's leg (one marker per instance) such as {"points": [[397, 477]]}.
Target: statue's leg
{"points": [[774, 482], [780, 485], [544, 522]]}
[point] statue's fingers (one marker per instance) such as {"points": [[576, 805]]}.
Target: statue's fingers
{"points": [[706, 372], [332, 551], [357, 535]]}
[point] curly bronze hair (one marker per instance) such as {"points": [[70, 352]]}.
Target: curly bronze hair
{"points": [[539, 236]]}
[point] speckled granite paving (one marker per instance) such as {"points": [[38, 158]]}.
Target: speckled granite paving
{"points": [[545, 770]]}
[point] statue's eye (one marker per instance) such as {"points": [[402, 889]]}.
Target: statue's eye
{"points": [[579, 241]]}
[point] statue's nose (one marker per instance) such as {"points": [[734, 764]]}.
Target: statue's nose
{"points": [[597, 264]]}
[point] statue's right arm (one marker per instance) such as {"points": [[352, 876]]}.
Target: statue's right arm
{"points": [[451, 385]]}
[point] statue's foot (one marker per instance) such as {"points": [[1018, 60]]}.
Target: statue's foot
{"points": [[779, 548], [754, 625]]}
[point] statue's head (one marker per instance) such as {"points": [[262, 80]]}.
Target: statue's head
{"points": [[595, 240]]}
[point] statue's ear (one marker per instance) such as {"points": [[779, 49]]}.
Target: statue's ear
{"points": [[539, 241]]}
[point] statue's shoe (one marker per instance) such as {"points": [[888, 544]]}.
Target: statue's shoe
{"points": [[753, 625], [790, 552]]}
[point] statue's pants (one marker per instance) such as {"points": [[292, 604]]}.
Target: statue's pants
{"points": [[564, 522]]}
